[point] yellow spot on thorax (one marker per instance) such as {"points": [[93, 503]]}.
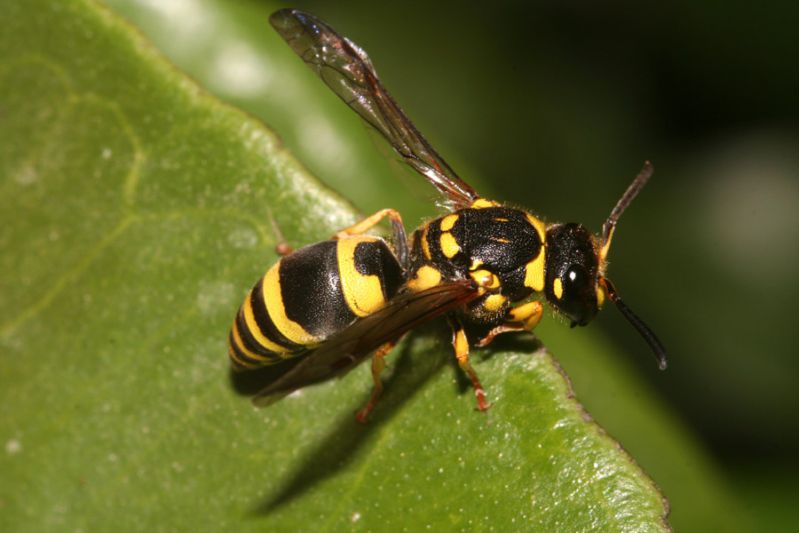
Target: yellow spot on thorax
{"points": [[448, 222], [494, 302], [424, 278], [485, 279], [363, 293], [449, 246], [482, 203], [534, 272]]}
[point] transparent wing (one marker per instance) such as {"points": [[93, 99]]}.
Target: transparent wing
{"points": [[342, 352], [347, 70]]}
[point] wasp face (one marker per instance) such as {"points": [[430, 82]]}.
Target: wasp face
{"points": [[572, 271]]}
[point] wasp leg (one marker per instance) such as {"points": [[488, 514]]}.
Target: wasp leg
{"points": [[378, 365], [282, 247], [461, 345], [524, 317], [400, 239]]}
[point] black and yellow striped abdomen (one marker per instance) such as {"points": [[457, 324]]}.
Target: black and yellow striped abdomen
{"points": [[310, 295]]}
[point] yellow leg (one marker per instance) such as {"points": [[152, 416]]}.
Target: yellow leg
{"points": [[378, 365], [400, 239], [461, 345], [369, 222], [524, 317]]}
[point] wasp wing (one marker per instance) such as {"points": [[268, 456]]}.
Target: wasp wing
{"points": [[348, 71], [342, 352]]}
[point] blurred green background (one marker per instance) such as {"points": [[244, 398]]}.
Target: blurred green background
{"points": [[554, 106]]}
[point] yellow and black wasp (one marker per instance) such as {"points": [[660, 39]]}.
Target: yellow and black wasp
{"points": [[334, 303]]}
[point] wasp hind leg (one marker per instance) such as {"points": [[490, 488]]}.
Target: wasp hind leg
{"points": [[378, 365], [282, 247], [524, 317], [400, 238], [461, 345]]}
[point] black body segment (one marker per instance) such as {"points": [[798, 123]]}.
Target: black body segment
{"points": [[311, 290], [375, 259], [265, 323], [500, 238]]}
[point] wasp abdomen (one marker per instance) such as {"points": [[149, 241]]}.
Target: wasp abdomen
{"points": [[310, 295]]}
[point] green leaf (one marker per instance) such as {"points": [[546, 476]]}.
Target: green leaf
{"points": [[136, 212]]}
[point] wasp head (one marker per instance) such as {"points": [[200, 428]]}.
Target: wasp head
{"points": [[572, 272], [575, 282]]}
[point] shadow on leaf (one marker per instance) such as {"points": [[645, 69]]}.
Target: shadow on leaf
{"points": [[411, 370]]}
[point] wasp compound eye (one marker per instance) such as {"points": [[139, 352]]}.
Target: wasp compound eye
{"points": [[577, 297], [575, 281]]}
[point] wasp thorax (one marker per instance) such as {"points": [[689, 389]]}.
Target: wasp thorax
{"points": [[571, 272]]}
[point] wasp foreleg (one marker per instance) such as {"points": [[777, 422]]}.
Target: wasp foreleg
{"points": [[524, 317]]}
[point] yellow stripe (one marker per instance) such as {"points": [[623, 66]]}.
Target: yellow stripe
{"points": [[481, 203], [255, 331], [534, 272], [242, 348], [363, 293], [425, 243], [603, 252], [424, 278], [449, 246], [600, 296], [539, 226], [277, 311], [448, 222], [238, 362]]}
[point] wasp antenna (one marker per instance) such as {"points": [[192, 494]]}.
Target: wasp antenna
{"points": [[657, 347], [632, 191]]}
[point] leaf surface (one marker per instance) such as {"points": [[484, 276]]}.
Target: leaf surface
{"points": [[136, 212]]}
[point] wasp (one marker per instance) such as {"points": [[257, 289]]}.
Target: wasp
{"points": [[333, 303]]}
